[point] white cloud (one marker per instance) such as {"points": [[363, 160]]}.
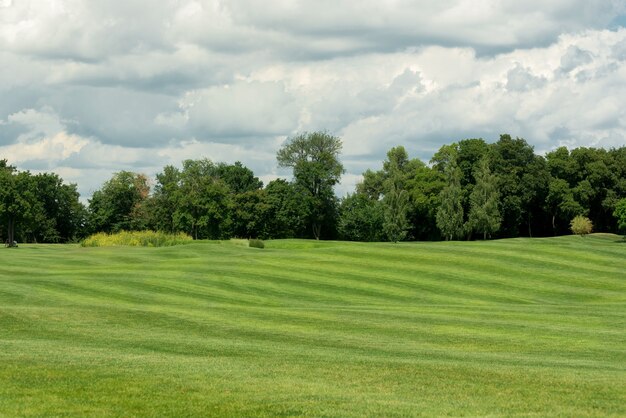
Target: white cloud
{"points": [[44, 138], [242, 109], [50, 149], [522, 79], [88, 87]]}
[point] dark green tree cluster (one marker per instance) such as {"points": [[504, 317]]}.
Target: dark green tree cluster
{"points": [[473, 189], [38, 208], [211, 200], [470, 189], [204, 199]]}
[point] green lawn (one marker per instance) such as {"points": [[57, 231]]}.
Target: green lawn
{"points": [[521, 327]]}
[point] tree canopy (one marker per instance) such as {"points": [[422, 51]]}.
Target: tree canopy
{"points": [[470, 189], [314, 159]]}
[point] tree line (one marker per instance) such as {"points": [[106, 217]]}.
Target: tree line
{"points": [[470, 189]]}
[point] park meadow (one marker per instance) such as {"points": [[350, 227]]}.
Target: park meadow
{"points": [[447, 289], [511, 327]]}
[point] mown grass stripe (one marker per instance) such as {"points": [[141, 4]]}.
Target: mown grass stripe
{"points": [[512, 327]]}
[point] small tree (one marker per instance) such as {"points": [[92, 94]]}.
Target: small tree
{"points": [[620, 214], [450, 213], [581, 225], [396, 206], [484, 214]]}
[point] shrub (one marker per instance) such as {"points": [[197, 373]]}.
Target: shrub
{"points": [[581, 225], [620, 215], [136, 239], [256, 243]]}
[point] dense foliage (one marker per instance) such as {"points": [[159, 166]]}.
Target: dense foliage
{"points": [[38, 208], [471, 189]]}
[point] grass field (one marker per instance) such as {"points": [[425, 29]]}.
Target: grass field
{"points": [[520, 327]]}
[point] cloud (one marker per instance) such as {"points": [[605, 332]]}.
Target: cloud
{"points": [[390, 26], [43, 140], [574, 57], [522, 79], [243, 109], [90, 88]]}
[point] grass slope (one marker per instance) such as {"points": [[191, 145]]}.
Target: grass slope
{"points": [[528, 327]]}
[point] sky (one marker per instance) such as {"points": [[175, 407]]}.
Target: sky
{"points": [[89, 88]]}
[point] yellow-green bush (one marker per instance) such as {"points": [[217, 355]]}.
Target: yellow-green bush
{"points": [[136, 239], [256, 243], [581, 225]]}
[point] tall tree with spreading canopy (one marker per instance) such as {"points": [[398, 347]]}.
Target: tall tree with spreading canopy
{"points": [[314, 158]]}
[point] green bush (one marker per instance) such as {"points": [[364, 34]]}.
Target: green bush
{"points": [[581, 225], [256, 243], [136, 239], [620, 215]]}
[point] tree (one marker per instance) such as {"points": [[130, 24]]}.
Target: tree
{"points": [[251, 214], [164, 199], [239, 178], [111, 208], [396, 207], [450, 213], [581, 225], [288, 210], [60, 216], [314, 158], [18, 202], [424, 188], [523, 182], [360, 218], [561, 203], [620, 215], [202, 201], [484, 214]]}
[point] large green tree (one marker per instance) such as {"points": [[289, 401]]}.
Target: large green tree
{"points": [[561, 204], [288, 210], [314, 159], [163, 201], [111, 208], [360, 218], [523, 185], [239, 178], [18, 203], [61, 217], [425, 187], [202, 201]]}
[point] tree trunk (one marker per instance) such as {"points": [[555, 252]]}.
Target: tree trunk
{"points": [[484, 235], [317, 228], [11, 233]]}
